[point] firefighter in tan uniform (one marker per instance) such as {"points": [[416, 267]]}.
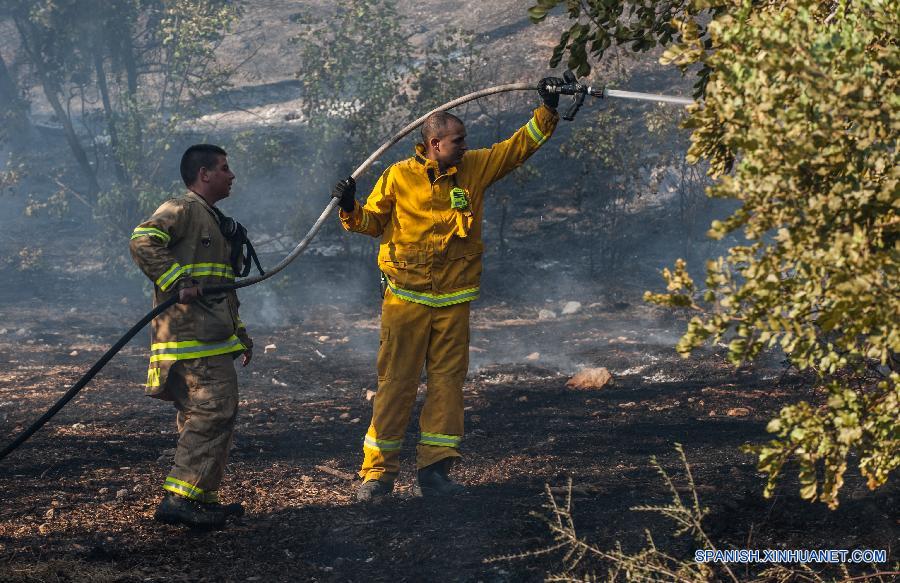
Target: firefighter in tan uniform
{"points": [[193, 344], [427, 210]]}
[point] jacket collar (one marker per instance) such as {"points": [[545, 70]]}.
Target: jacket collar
{"points": [[430, 166], [191, 195]]}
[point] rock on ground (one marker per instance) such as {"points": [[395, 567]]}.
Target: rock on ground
{"points": [[590, 378]]}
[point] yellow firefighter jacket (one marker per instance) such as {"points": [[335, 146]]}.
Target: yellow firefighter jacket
{"points": [[181, 245], [430, 223]]}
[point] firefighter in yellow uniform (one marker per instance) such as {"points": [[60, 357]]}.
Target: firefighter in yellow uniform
{"points": [[194, 343], [428, 210]]}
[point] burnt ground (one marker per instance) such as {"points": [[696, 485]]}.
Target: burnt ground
{"points": [[78, 498]]}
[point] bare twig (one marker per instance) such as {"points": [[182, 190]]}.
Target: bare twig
{"points": [[69, 189], [336, 473]]}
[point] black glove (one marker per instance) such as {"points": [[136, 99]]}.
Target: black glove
{"points": [[551, 100], [345, 190]]}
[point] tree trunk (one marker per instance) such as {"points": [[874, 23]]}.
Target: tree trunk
{"points": [[52, 90], [131, 75], [121, 175], [13, 110]]}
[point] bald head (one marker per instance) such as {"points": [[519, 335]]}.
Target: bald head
{"points": [[444, 136], [439, 124]]}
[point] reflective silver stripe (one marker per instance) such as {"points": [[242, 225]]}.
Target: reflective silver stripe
{"points": [[440, 439], [183, 488], [153, 377], [193, 349], [435, 300], [209, 269], [383, 444], [195, 270], [151, 232], [168, 278], [533, 131]]}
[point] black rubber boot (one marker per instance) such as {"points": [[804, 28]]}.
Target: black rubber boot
{"points": [[233, 510], [434, 482], [374, 491], [176, 509]]}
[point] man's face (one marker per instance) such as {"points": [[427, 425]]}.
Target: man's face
{"points": [[449, 149], [218, 179]]}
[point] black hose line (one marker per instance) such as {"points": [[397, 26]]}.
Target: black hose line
{"points": [[22, 437], [299, 248], [107, 356]]}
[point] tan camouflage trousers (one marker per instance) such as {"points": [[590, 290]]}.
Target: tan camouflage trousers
{"points": [[205, 393]]}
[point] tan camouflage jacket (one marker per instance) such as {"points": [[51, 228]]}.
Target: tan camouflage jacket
{"points": [[181, 245]]}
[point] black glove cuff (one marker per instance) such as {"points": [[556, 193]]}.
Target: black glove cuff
{"points": [[551, 99]]}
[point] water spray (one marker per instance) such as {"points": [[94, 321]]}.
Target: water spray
{"points": [[571, 86]]}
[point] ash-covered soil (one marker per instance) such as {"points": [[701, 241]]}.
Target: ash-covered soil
{"points": [[78, 498]]}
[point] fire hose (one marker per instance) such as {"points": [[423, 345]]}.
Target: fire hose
{"points": [[571, 86]]}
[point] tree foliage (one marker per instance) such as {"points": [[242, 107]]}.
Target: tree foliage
{"points": [[614, 171], [362, 81], [120, 77], [640, 25], [362, 78], [807, 112], [799, 123], [354, 67]]}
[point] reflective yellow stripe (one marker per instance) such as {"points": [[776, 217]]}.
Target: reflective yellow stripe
{"points": [[168, 278], [211, 272], [435, 300], [532, 128], [222, 270], [362, 223], [153, 377], [193, 349], [150, 232], [382, 444], [440, 439], [184, 489]]}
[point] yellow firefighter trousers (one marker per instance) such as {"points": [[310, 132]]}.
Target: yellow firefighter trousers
{"points": [[413, 335], [205, 392]]}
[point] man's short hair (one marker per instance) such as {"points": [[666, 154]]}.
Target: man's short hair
{"points": [[196, 157], [437, 124]]}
